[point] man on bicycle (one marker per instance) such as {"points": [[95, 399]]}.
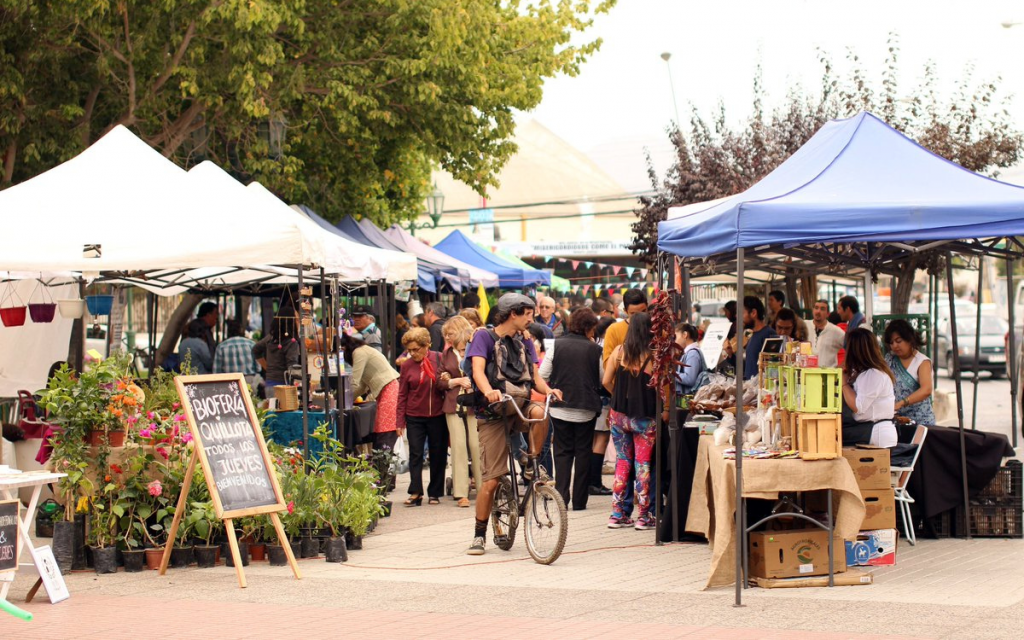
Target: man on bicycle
{"points": [[503, 363]]}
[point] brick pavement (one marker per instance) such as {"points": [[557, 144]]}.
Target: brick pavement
{"points": [[412, 579]]}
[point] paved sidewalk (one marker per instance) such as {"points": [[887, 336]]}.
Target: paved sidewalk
{"points": [[412, 579]]}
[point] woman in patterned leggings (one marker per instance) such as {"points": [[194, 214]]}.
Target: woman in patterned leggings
{"points": [[633, 409]]}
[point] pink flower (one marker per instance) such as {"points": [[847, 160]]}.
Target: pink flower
{"points": [[291, 507], [175, 405], [179, 418], [146, 433], [132, 419], [187, 437], [162, 452], [151, 415], [155, 488]]}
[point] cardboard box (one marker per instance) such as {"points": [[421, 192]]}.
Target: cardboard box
{"points": [[872, 549], [870, 467], [879, 509], [850, 578], [797, 553]]}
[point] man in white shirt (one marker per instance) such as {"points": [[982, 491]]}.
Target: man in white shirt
{"points": [[826, 338]]}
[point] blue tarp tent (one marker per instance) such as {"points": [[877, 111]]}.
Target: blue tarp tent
{"points": [[427, 275], [510, 276], [854, 180]]}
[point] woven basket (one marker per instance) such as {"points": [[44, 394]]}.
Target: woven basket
{"points": [[287, 397]]}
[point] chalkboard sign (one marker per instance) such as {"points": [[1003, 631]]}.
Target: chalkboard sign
{"points": [[9, 544], [230, 444]]}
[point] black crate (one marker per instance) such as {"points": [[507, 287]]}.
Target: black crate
{"points": [[1007, 488], [989, 521], [942, 524]]}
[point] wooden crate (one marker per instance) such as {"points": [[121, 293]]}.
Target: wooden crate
{"points": [[811, 390], [784, 422], [819, 436]]}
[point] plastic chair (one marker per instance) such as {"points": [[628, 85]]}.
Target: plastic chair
{"points": [[901, 477]]}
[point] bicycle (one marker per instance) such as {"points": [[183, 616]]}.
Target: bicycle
{"points": [[540, 504]]}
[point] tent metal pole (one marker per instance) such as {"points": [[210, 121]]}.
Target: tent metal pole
{"points": [[959, 389], [303, 387], [977, 344], [1011, 295], [687, 298], [325, 369], [659, 424], [740, 524], [935, 325]]}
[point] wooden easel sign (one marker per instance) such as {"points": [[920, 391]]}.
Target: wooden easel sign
{"points": [[229, 443], [10, 543]]}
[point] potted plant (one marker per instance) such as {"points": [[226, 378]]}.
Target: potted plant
{"points": [[202, 519], [105, 515], [252, 533], [74, 408]]}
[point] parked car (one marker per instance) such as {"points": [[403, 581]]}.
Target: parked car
{"points": [[992, 356]]}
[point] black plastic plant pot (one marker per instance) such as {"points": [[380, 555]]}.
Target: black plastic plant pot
{"points": [[134, 561], [336, 550], [276, 555], [206, 556], [309, 547], [296, 548], [353, 542], [181, 557], [243, 551], [64, 544], [104, 559]]}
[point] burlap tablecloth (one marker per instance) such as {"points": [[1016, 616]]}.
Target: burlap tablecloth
{"points": [[713, 499]]}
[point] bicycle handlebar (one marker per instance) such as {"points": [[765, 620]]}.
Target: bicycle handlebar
{"points": [[507, 398]]}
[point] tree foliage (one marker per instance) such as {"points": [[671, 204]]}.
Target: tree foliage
{"points": [[970, 127], [370, 93]]}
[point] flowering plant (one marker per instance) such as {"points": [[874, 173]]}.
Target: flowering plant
{"points": [[126, 402]]}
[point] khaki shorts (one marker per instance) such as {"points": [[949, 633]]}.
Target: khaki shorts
{"points": [[494, 443]]}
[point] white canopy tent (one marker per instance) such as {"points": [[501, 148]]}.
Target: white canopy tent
{"points": [[256, 206]]}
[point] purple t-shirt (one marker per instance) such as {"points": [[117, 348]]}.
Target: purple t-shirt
{"points": [[482, 346]]}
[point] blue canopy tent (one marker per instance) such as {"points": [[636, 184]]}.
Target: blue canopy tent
{"points": [[427, 274], [510, 276], [856, 180], [857, 195]]}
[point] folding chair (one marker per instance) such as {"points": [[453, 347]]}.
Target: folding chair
{"points": [[901, 477]]}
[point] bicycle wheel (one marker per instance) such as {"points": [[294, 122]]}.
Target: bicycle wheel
{"points": [[547, 524], [504, 515]]}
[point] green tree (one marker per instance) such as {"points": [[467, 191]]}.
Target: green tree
{"points": [[970, 127], [343, 105]]}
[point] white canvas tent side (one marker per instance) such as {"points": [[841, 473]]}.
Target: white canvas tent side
{"points": [[102, 210]]}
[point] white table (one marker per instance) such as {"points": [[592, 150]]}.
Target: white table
{"points": [[9, 485]]}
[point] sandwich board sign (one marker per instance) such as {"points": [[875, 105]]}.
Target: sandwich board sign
{"points": [[229, 445]]}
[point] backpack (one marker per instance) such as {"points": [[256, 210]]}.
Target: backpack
{"points": [[509, 371], [703, 378]]}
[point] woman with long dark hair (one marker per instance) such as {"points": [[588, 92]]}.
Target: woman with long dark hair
{"points": [[574, 365], [912, 371], [868, 393], [373, 376], [632, 419], [277, 351]]}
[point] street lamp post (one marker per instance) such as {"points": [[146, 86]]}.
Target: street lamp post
{"points": [[435, 207], [675, 105]]}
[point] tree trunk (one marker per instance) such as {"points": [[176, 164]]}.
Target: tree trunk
{"points": [[176, 324], [900, 300], [808, 291]]}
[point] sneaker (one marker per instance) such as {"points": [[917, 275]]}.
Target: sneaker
{"points": [[477, 548], [644, 524], [619, 523]]}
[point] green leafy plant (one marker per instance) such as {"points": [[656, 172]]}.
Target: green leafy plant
{"points": [[346, 494], [202, 520]]}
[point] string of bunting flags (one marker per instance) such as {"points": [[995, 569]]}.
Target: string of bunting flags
{"points": [[616, 268], [608, 287]]}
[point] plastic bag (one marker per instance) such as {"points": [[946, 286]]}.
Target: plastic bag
{"points": [[401, 452]]}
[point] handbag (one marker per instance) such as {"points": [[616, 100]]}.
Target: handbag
{"points": [[401, 452]]}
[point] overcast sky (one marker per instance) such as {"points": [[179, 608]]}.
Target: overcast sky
{"points": [[621, 102]]}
